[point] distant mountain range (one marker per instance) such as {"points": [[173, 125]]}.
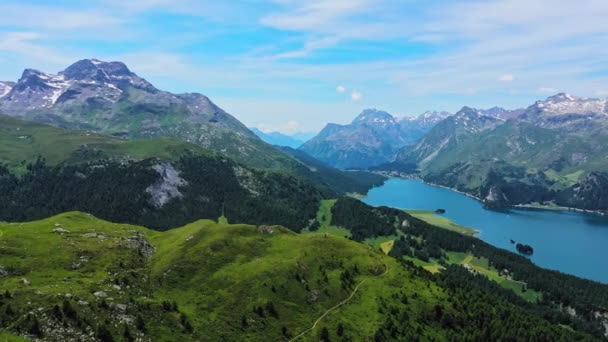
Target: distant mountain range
{"points": [[280, 139], [374, 137], [552, 152]]}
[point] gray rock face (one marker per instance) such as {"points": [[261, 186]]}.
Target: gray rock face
{"points": [[495, 198], [139, 242], [167, 187]]}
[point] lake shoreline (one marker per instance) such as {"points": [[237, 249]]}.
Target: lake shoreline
{"points": [[512, 206], [562, 241]]}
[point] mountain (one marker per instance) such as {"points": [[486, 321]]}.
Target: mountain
{"points": [[159, 183], [424, 121], [372, 138], [581, 116], [278, 139], [447, 135], [548, 155], [107, 97]]}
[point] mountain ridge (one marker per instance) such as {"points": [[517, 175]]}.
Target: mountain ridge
{"points": [[372, 138], [547, 154]]}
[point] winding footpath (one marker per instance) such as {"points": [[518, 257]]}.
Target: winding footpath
{"points": [[336, 306]]}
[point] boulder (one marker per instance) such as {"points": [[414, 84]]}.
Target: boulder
{"points": [[100, 294], [60, 231]]}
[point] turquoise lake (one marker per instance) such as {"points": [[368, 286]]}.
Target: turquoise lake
{"points": [[571, 242]]}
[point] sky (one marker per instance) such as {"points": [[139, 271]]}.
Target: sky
{"points": [[295, 65]]}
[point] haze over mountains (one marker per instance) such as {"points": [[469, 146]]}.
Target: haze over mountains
{"points": [[281, 139], [373, 138]]}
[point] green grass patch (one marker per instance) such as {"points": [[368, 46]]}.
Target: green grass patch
{"points": [[324, 219], [441, 222], [482, 266], [379, 241]]}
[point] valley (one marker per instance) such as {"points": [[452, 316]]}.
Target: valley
{"points": [[134, 214]]}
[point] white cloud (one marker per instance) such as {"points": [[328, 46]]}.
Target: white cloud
{"points": [[356, 95], [56, 19], [547, 90], [340, 89], [506, 78]]}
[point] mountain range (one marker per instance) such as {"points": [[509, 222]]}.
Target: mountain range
{"points": [[372, 138], [281, 139], [550, 153], [108, 98], [134, 214]]}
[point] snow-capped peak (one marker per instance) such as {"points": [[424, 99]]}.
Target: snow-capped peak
{"points": [[561, 97], [5, 88], [563, 103], [374, 116]]}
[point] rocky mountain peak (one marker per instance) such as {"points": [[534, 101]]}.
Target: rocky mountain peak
{"points": [[494, 111], [427, 119], [31, 73], [563, 103], [85, 70], [99, 71], [561, 97], [468, 111], [375, 117]]}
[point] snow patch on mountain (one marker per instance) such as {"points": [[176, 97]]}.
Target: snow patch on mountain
{"points": [[5, 88]]}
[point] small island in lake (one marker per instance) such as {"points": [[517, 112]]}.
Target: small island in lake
{"points": [[512, 241], [524, 249], [440, 211]]}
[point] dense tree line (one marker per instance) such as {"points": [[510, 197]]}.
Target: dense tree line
{"points": [[362, 220], [333, 180], [117, 191], [558, 289]]}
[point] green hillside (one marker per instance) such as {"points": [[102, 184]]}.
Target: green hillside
{"points": [[209, 281], [23, 141], [513, 163]]}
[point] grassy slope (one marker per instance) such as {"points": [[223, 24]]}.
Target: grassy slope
{"points": [[324, 219], [385, 244], [216, 273], [482, 266], [25, 141], [441, 222]]}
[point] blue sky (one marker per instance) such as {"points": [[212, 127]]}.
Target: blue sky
{"points": [[291, 65]]}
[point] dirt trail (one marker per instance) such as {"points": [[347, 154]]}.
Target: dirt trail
{"points": [[336, 306]]}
